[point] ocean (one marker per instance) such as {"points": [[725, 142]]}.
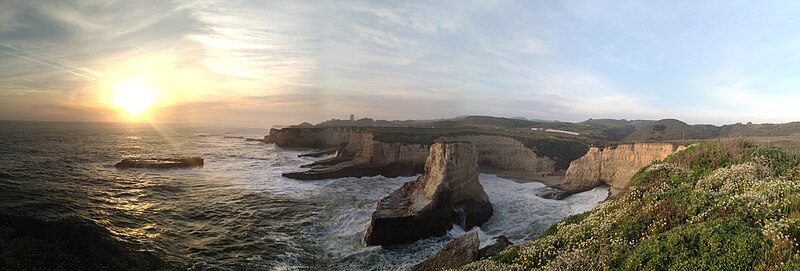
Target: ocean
{"points": [[236, 212]]}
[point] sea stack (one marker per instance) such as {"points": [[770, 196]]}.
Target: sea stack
{"points": [[447, 193]]}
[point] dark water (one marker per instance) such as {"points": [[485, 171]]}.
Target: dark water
{"points": [[236, 212]]}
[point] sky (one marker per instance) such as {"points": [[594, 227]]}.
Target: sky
{"points": [[259, 63]]}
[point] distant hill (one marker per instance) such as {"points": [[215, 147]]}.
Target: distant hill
{"points": [[368, 122], [592, 130], [767, 129], [616, 123], [485, 121], [612, 129], [672, 129]]}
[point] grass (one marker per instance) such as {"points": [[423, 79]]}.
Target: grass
{"points": [[719, 205]]}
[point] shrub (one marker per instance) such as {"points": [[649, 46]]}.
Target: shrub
{"points": [[722, 244]]}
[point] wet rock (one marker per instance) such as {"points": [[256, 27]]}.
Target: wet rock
{"points": [[552, 193]]}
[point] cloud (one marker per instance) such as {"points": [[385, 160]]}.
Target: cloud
{"points": [[311, 61]]}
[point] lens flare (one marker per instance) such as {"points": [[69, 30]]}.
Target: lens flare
{"points": [[134, 97]]}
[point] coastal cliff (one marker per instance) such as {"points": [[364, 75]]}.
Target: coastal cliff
{"points": [[613, 165], [363, 152], [506, 153], [449, 192], [358, 153], [313, 137]]}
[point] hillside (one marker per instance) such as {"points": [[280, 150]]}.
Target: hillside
{"points": [[726, 205], [592, 131], [672, 129], [485, 121], [618, 122], [767, 129]]}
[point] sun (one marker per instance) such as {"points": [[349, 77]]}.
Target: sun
{"points": [[134, 97]]}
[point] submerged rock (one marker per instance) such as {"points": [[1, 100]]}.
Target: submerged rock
{"points": [[161, 163], [552, 193], [456, 253], [448, 193]]}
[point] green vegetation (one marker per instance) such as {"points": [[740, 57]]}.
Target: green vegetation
{"points": [[723, 205], [671, 129], [562, 151], [766, 129], [594, 131], [68, 244]]}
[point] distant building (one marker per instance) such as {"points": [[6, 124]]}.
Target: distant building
{"points": [[352, 117]]}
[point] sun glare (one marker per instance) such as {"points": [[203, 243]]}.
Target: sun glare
{"points": [[134, 97]]}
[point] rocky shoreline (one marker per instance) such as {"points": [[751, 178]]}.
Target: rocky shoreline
{"points": [[448, 191], [361, 152]]}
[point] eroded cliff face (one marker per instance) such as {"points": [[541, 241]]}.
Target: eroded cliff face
{"points": [[448, 193], [613, 165], [506, 153], [358, 154], [313, 137]]}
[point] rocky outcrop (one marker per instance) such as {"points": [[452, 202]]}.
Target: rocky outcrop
{"points": [[312, 137], [613, 165], [161, 163], [320, 153], [357, 153], [449, 192], [456, 253], [506, 153], [364, 157]]}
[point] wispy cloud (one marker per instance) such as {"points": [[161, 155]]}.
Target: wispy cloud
{"points": [[304, 61]]}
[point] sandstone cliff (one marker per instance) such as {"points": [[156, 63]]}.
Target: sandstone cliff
{"points": [[358, 154], [613, 165], [449, 192], [506, 153], [313, 137]]}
